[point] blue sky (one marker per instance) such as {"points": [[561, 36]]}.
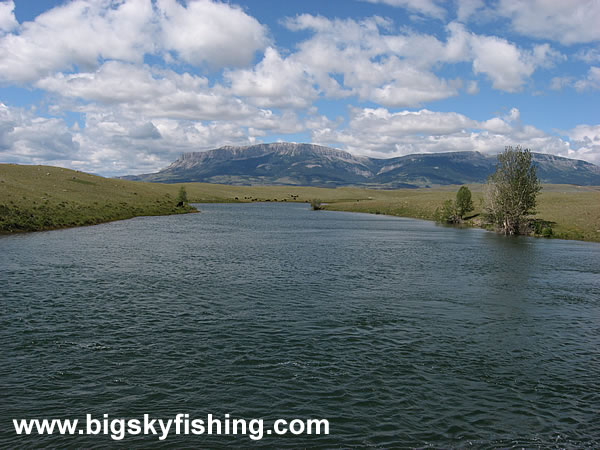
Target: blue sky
{"points": [[124, 86]]}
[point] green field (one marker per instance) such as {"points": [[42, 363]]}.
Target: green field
{"points": [[36, 198], [41, 197]]}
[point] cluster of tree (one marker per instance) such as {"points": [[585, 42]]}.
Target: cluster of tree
{"points": [[510, 197], [454, 211]]}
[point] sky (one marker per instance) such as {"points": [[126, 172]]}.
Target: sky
{"points": [[117, 87]]}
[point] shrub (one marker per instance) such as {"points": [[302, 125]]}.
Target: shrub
{"points": [[181, 197], [447, 213]]}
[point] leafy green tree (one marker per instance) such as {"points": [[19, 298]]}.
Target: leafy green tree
{"points": [[316, 204], [512, 191], [464, 202], [182, 198]]}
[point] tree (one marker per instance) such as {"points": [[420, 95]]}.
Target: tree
{"points": [[316, 204], [182, 197], [512, 191], [464, 203]]}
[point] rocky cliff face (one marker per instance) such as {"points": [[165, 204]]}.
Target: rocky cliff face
{"points": [[314, 165]]}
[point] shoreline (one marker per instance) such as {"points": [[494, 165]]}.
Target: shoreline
{"points": [[68, 226], [326, 207]]}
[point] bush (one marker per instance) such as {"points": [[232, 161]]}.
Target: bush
{"points": [[315, 203], [447, 213]]}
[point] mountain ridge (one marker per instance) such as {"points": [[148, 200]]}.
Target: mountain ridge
{"points": [[314, 165]]}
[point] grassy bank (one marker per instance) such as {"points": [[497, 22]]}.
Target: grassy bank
{"points": [[34, 198], [574, 210], [40, 197]]}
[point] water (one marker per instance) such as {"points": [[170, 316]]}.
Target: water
{"points": [[399, 332]]}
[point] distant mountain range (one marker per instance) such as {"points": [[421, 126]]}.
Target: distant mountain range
{"points": [[314, 165]]}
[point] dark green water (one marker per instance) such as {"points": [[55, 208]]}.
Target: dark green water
{"points": [[401, 333]]}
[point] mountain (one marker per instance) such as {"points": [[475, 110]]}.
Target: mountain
{"points": [[314, 165]]}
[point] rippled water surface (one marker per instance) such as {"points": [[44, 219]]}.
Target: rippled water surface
{"points": [[401, 333]]}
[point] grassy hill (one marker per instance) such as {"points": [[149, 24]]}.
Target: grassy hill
{"points": [[34, 198], [41, 198]]}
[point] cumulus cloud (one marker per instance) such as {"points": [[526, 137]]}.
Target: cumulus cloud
{"points": [[83, 33], [507, 66], [501, 61], [25, 137], [8, 21], [363, 59], [585, 140], [381, 133], [274, 82], [77, 33], [568, 22], [430, 8], [591, 82], [210, 32], [201, 87], [467, 8], [152, 93], [589, 55], [115, 144]]}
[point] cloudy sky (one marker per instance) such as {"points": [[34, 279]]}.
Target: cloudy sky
{"points": [[124, 86]]}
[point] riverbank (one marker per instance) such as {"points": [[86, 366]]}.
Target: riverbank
{"points": [[574, 211], [34, 198], [38, 198]]}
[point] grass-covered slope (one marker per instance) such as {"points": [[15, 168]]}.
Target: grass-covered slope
{"points": [[34, 198]]}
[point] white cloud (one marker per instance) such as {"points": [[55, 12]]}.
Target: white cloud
{"points": [[467, 8], [506, 65], [24, 137], [88, 57], [152, 93], [585, 140], [381, 133], [501, 61], [363, 59], [77, 33], [115, 144], [82, 33], [591, 82], [472, 87], [568, 22], [558, 83], [426, 7], [274, 82], [210, 32], [589, 55], [8, 21]]}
